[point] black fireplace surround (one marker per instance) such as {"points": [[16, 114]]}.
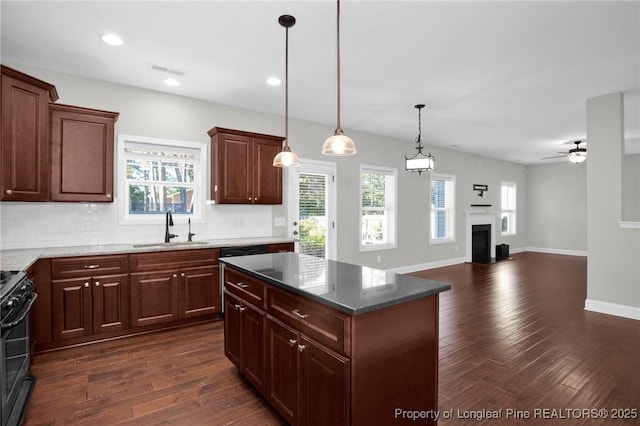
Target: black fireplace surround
{"points": [[481, 243]]}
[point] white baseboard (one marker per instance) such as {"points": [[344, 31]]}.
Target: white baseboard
{"points": [[428, 265], [557, 251], [632, 312]]}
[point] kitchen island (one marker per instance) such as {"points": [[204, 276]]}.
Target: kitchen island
{"points": [[328, 342]]}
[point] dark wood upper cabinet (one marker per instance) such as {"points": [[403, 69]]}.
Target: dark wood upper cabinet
{"points": [[24, 146], [242, 169], [82, 145]]}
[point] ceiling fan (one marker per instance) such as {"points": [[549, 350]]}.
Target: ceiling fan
{"points": [[575, 155]]}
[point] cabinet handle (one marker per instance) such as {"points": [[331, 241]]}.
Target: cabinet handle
{"points": [[243, 285], [238, 307], [86, 285], [94, 266], [298, 314], [8, 192], [97, 283], [292, 342], [301, 348]]}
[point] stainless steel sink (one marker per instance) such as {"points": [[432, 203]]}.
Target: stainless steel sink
{"points": [[171, 244]]}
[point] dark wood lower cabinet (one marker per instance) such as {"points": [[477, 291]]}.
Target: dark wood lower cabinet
{"points": [[154, 297], [308, 384], [89, 305]]}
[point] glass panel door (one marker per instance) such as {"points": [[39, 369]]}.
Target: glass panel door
{"points": [[313, 208]]}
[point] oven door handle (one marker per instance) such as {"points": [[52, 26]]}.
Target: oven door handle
{"points": [[23, 313]]}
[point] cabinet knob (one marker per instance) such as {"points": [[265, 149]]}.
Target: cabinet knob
{"points": [[8, 192], [292, 342], [301, 348], [97, 283], [182, 274], [86, 285], [175, 275], [250, 198], [239, 307], [108, 195]]}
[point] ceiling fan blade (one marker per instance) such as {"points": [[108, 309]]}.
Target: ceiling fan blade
{"points": [[549, 158]]}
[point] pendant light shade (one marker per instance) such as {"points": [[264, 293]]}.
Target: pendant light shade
{"points": [[339, 144], [577, 154], [286, 157], [419, 162]]}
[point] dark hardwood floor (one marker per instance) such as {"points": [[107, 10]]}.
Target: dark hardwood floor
{"points": [[513, 336]]}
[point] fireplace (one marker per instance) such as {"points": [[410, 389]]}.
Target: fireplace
{"points": [[488, 219], [481, 243]]}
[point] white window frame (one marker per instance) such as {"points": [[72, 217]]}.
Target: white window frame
{"points": [[450, 209], [391, 207], [200, 181], [512, 211]]}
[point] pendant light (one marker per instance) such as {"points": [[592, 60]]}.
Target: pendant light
{"points": [[577, 154], [286, 157], [419, 162], [339, 144]]}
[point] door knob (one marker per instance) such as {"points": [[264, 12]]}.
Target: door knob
{"points": [[295, 232]]}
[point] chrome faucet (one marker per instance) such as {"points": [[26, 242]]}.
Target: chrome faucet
{"points": [[168, 222]]}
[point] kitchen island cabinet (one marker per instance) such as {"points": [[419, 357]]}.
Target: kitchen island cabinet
{"points": [[242, 169], [343, 344], [24, 143]]}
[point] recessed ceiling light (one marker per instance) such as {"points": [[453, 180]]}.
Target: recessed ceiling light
{"points": [[171, 82], [274, 81], [112, 39]]}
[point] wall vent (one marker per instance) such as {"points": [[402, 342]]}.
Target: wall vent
{"points": [[166, 70]]}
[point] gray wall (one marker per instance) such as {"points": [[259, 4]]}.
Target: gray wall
{"points": [[155, 114], [613, 271], [631, 187], [557, 207]]}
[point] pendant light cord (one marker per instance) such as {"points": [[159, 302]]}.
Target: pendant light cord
{"points": [[338, 128], [286, 89]]}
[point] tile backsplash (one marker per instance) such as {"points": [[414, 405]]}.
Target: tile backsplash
{"points": [[33, 225]]}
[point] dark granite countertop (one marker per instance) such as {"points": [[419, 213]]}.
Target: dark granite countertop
{"points": [[349, 288]]}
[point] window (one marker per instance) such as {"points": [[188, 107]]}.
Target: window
{"points": [[508, 206], [378, 213], [442, 208], [156, 176]]}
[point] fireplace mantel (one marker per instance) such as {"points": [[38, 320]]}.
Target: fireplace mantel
{"points": [[480, 217]]}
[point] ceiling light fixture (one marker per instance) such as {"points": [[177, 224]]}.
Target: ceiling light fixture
{"points": [[112, 39], [339, 144], [171, 82], [577, 154], [274, 81], [286, 157], [419, 162]]}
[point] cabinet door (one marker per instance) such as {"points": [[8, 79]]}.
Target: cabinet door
{"points": [[200, 291], [235, 170], [324, 386], [81, 154], [154, 298], [267, 181], [71, 308], [253, 349], [25, 140], [282, 374], [232, 330], [110, 303]]}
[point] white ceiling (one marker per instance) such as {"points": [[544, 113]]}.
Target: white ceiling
{"points": [[507, 80]]}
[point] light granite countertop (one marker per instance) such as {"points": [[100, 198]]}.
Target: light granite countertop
{"points": [[21, 259]]}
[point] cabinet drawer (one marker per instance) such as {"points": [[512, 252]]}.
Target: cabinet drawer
{"points": [[88, 266], [280, 248], [245, 287], [321, 323], [164, 260]]}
